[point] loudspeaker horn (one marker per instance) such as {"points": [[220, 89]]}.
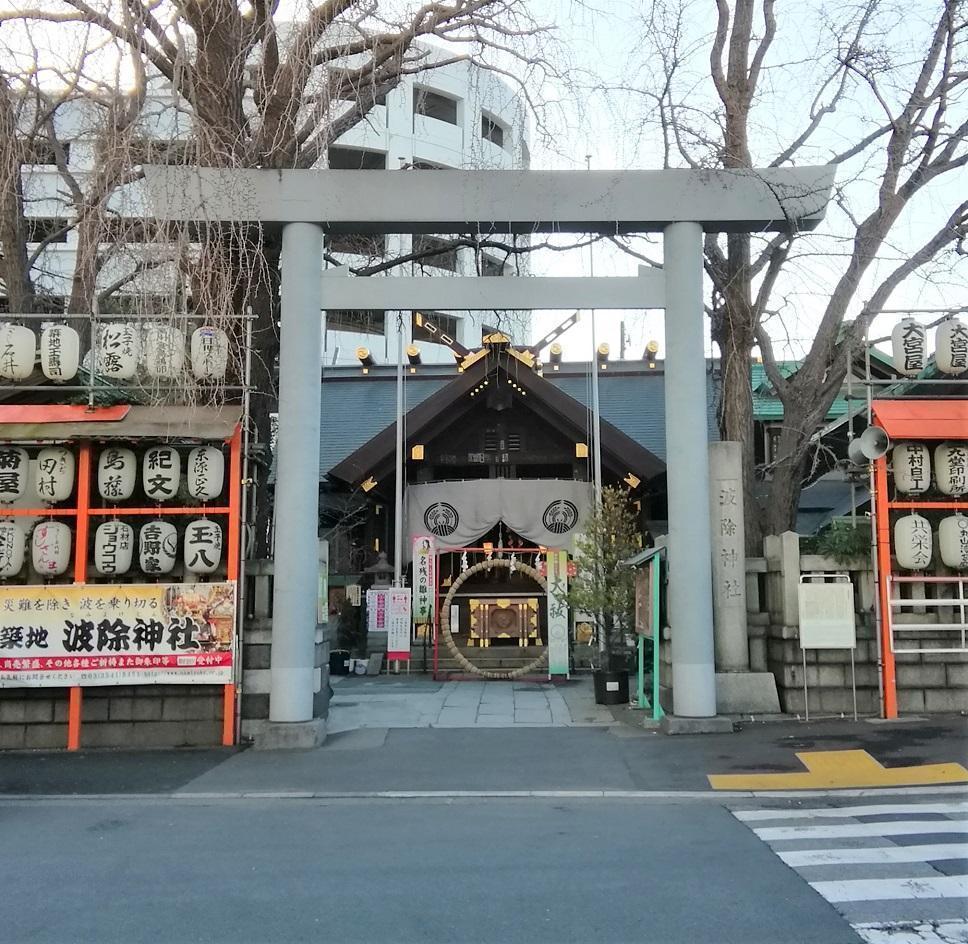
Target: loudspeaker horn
{"points": [[855, 452], [874, 442]]}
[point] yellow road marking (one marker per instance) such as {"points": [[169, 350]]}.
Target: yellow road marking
{"points": [[832, 769]]}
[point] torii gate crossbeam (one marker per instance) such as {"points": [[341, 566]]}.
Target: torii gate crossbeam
{"points": [[682, 204]]}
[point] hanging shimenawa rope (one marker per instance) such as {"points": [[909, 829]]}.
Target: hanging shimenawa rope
{"points": [[462, 660]]}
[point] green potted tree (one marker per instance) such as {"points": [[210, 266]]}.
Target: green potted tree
{"points": [[604, 588]]}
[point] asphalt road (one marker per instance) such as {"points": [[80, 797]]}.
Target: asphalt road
{"points": [[501, 871]]}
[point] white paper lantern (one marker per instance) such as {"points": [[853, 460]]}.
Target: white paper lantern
{"points": [[951, 346], [951, 468], [912, 542], [118, 350], [60, 352], [54, 474], [203, 546], [13, 541], [164, 351], [953, 541], [206, 472], [18, 348], [160, 473], [13, 473], [909, 343], [113, 548], [210, 353], [51, 548], [911, 465], [117, 471], [157, 547]]}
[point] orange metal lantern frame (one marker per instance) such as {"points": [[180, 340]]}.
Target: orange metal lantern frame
{"points": [[931, 420], [83, 512]]}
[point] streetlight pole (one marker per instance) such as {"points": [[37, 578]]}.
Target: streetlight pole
{"points": [[596, 410]]}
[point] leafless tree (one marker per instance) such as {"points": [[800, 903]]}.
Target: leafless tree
{"points": [[880, 90], [235, 86]]}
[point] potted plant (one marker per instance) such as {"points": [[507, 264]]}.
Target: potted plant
{"points": [[604, 587]]}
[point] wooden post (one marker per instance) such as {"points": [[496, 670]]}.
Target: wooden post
{"points": [[83, 508], [228, 715], [75, 699], [882, 511]]}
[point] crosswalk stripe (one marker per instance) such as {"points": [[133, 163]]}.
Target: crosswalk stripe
{"points": [[873, 810], [885, 889], [776, 833], [805, 857]]}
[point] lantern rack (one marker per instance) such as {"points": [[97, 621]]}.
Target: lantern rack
{"points": [[882, 505], [83, 512]]}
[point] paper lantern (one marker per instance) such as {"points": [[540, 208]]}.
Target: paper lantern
{"points": [[13, 473], [951, 346], [909, 343], [911, 465], [912, 542], [119, 350], [54, 474], [953, 541], [117, 471], [164, 352], [157, 547], [206, 473], [951, 468], [210, 353], [113, 547], [18, 348], [203, 546], [51, 548], [13, 540], [160, 473], [60, 352]]}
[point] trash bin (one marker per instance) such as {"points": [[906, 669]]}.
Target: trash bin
{"points": [[339, 662]]}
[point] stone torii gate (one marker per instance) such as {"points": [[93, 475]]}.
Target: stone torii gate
{"points": [[680, 204]]}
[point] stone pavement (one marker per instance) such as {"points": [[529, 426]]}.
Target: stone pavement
{"points": [[401, 701]]}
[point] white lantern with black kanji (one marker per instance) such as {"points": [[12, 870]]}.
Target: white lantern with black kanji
{"points": [[117, 472], [206, 472], [18, 349], [50, 548], [13, 541], [953, 541], [13, 473], [912, 542], [909, 343], [951, 346], [113, 548], [157, 547], [202, 549], [60, 352], [160, 473], [118, 350], [911, 465], [951, 468], [54, 474], [210, 353], [164, 351]]}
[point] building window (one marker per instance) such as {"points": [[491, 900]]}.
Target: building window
{"points": [[41, 228], [359, 244], [43, 152], [491, 266], [368, 321], [434, 326], [434, 105], [152, 151], [435, 252], [429, 165], [356, 159], [492, 130]]}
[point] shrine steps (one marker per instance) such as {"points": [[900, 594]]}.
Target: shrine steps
{"points": [[493, 659]]}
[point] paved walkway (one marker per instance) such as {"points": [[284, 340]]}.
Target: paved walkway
{"points": [[392, 701]]}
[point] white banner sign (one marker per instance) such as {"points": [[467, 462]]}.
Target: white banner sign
{"points": [[557, 612], [424, 559], [548, 512], [398, 624]]}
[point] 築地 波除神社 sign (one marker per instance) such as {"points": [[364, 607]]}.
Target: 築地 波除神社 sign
{"points": [[131, 634]]}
